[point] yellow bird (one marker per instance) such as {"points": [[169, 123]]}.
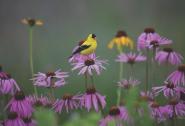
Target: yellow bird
{"points": [[88, 46]]}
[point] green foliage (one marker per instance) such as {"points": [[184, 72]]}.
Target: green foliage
{"points": [[1, 116], [45, 117], [131, 98], [90, 119], [132, 102], [145, 120], [112, 123]]}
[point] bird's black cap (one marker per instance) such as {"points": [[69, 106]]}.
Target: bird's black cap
{"points": [[93, 36]]}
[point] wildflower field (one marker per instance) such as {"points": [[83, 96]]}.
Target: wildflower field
{"points": [[92, 63]]}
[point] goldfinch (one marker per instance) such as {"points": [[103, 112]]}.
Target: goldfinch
{"points": [[88, 46]]}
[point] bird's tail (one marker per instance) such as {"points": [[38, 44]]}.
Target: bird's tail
{"points": [[70, 57]]}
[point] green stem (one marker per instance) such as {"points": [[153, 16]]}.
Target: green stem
{"points": [[153, 67], [31, 56], [165, 123], [155, 122], [167, 70], [102, 112], [131, 71], [147, 70], [52, 93], [119, 88], [86, 80], [2, 106], [174, 121], [92, 80]]}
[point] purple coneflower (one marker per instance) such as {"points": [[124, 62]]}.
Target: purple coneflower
{"points": [[89, 65], [166, 113], [7, 84], [130, 58], [168, 55], [50, 79], [79, 57], [13, 120], [127, 84], [146, 37], [92, 99], [177, 107], [29, 122], [39, 101], [178, 76], [158, 42], [160, 113], [169, 90], [146, 96], [20, 105], [67, 102], [117, 114], [155, 110]]}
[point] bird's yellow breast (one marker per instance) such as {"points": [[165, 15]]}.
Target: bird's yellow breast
{"points": [[91, 49]]}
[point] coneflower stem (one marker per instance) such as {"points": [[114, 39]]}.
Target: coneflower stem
{"points": [[102, 112], [2, 105], [131, 70], [52, 93], [31, 56], [147, 70], [173, 121], [155, 122], [167, 70], [85, 80], [119, 88], [174, 117], [92, 80], [153, 66]]}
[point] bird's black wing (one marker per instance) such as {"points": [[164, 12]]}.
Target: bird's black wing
{"points": [[81, 48]]}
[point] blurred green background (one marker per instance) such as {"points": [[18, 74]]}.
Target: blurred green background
{"points": [[68, 21]]}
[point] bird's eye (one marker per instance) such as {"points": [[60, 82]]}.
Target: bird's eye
{"points": [[93, 36]]}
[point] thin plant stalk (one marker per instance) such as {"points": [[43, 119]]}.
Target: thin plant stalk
{"points": [[174, 119], [153, 66], [167, 70], [167, 66], [131, 70], [52, 93], [92, 80], [85, 80], [3, 102], [155, 122], [147, 70], [119, 88], [31, 56], [102, 112]]}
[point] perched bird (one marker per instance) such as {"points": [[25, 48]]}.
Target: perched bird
{"points": [[87, 47]]}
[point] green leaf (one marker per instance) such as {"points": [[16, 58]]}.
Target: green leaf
{"points": [[45, 117], [90, 119], [131, 99]]}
